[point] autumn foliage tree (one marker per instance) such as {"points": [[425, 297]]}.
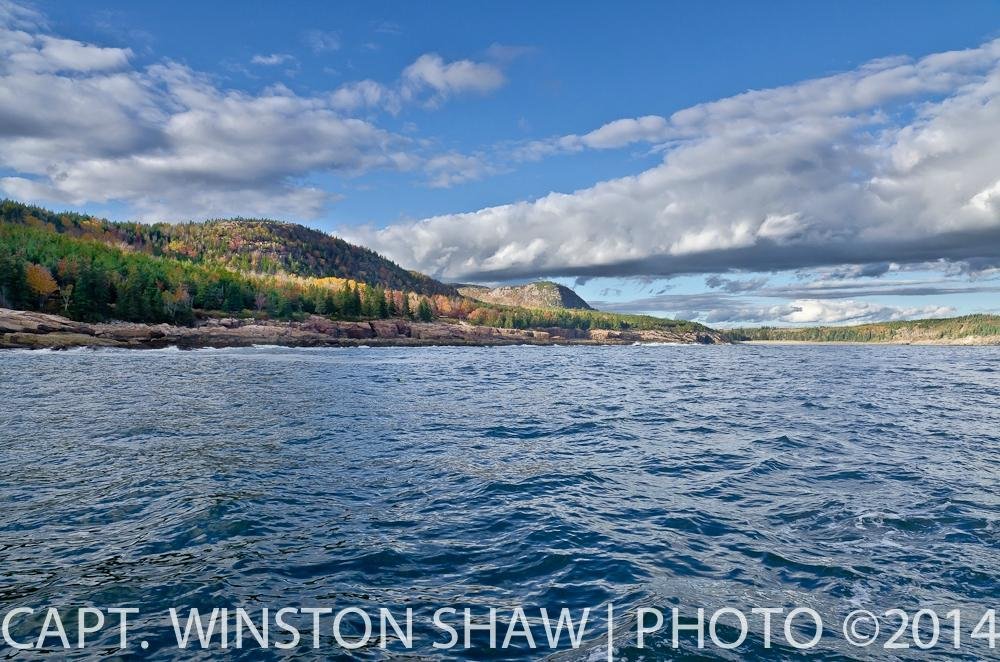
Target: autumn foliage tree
{"points": [[40, 282]]}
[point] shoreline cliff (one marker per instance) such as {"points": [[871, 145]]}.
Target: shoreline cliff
{"points": [[32, 330]]}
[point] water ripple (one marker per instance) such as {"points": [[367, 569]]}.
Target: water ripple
{"points": [[832, 477]]}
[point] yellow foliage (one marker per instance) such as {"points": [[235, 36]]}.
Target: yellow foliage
{"points": [[40, 281]]}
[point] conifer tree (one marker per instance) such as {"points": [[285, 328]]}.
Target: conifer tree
{"points": [[13, 284], [424, 312]]}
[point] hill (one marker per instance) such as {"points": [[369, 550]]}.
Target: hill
{"points": [[541, 294], [91, 270], [968, 329], [257, 246]]}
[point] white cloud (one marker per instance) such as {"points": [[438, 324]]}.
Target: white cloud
{"points": [[271, 60], [817, 311], [810, 312], [79, 124], [15, 15], [365, 94], [613, 135], [429, 81], [447, 78], [447, 170], [897, 160]]}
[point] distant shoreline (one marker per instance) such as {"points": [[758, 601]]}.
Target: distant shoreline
{"points": [[971, 341], [32, 330]]}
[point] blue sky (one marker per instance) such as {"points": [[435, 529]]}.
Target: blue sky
{"points": [[368, 118]]}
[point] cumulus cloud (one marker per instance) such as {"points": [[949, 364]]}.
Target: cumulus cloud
{"points": [[165, 138], [816, 311], [430, 71], [429, 81], [364, 94], [613, 135], [896, 161], [80, 123]]}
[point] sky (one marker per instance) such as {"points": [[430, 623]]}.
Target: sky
{"points": [[779, 163]]}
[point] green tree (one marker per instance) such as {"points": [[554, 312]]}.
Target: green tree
{"points": [[13, 283], [320, 303], [424, 311]]}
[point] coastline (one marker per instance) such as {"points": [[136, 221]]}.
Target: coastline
{"points": [[967, 341], [31, 330]]}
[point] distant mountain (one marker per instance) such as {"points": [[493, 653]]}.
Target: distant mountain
{"points": [[541, 294], [248, 245]]}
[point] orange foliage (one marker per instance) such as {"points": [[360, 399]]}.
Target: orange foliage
{"points": [[41, 282]]}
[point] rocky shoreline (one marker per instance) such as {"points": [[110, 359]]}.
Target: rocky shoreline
{"points": [[30, 330]]}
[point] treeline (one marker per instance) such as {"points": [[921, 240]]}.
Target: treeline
{"points": [[256, 246], [951, 328], [573, 318], [88, 280], [514, 317]]}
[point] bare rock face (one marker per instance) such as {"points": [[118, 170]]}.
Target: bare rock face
{"points": [[541, 294], [53, 340], [387, 328], [319, 324], [128, 331], [38, 330], [355, 330], [26, 321]]}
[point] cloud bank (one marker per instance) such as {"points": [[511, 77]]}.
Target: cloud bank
{"points": [[729, 310], [898, 160]]}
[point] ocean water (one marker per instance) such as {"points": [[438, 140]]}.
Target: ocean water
{"points": [[834, 478]]}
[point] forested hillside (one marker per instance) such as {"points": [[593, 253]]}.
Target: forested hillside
{"points": [[89, 280], [90, 270], [245, 245], [929, 330]]}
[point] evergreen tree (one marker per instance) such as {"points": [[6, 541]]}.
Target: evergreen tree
{"points": [[234, 298], [377, 305], [13, 282], [319, 303], [330, 302], [424, 312], [354, 304]]}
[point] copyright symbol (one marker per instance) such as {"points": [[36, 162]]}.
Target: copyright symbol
{"points": [[855, 638]]}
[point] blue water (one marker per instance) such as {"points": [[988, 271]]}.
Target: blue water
{"points": [[831, 477]]}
